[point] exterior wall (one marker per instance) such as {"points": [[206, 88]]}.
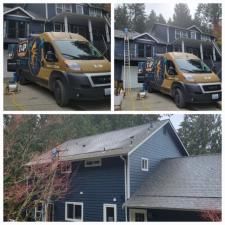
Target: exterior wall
{"points": [[99, 185], [38, 9], [36, 28], [51, 11], [160, 146], [159, 31]]}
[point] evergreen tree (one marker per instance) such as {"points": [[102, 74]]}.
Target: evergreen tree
{"points": [[137, 17], [121, 17], [151, 20], [182, 16], [161, 19], [201, 134]]}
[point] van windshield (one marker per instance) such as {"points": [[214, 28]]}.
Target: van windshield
{"points": [[81, 50], [192, 66]]}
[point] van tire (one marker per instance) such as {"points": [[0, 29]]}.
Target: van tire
{"points": [[150, 89], [60, 93], [179, 98]]}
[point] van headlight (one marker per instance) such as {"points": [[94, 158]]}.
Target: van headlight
{"points": [[189, 78], [73, 66]]}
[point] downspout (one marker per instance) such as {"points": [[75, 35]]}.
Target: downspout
{"points": [[125, 183]]}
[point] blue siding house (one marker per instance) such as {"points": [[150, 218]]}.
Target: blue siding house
{"points": [[107, 170], [164, 38], [90, 20]]}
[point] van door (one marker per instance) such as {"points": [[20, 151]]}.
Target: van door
{"points": [[49, 61], [170, 75]]}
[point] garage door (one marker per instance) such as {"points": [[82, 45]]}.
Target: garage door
{"points": [[133, 81]]}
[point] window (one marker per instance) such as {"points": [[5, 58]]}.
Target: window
{"points": [[177, 34], [193, 34], [205, 38], [66, 167], [95, 12], [141, 50], [63, 8], [79, 9], [39, 210], [109, 213], [74, 211], [184, 34], [144, 164], [148, 50], [67, 7], [59, 8], [57, 27], [92, 163]]}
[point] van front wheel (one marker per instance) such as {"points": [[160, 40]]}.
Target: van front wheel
{"points": [[179, 98], [60, 94]]}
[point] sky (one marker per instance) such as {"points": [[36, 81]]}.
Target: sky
{"points": [[175, 119], [167, 9]]}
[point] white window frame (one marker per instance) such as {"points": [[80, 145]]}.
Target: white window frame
{"points": [[57, 7], [94, 12], [82, 7], [61, 28], [39, 211], [143, 168], [93, 160], [205, 37], [67, 10], [195, 34], [74, 204], [184, 34], [177, 32], [105, 206]]}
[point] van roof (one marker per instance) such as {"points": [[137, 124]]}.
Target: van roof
{"points": [[181, 55], [64, 36]]}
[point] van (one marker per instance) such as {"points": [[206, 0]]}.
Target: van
{"points": [[65, 63], [183, 76]]}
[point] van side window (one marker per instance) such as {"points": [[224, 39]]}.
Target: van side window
{"points": [[170, 68], [48, 48]]}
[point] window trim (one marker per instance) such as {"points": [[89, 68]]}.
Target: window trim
{"points": [[177, 32], [195, 36], [95, 14], [144, 169], [61, 27], [105, 206], [74, 204], [56, 7], [62, 167], [95, 165], [40, 211], [82, 9]]}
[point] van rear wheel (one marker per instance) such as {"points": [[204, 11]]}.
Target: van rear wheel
{"points": [[60, 93], [179, 98], [23, 80]]}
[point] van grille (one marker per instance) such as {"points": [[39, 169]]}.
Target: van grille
{"points": [[212, 87], [103, 79]]}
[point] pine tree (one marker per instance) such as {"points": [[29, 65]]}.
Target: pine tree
{"points": [[201, 134]]}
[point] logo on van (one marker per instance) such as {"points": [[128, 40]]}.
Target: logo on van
{"points": [[35, 56], [98, 65]]}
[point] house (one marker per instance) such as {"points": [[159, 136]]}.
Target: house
{"points": [[90, 20], [164, 38], [109, 169]]}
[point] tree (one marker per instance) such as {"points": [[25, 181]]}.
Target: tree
{"points": [[151, 20], [137, 17], [161, 19], [121, 17], [201, 134], [182, 16]]}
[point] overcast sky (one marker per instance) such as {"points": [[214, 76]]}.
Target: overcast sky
{"points": [[175, 119], [167, 9]]}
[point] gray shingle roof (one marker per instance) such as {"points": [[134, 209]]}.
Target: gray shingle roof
{"points": [[187, 183], [111, 143], [120, 34]]}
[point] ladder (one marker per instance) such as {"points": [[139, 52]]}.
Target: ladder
{"points": [[127, 79]]}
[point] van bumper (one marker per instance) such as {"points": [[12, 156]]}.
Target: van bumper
{"points": [[81, 87], [193, 93]]}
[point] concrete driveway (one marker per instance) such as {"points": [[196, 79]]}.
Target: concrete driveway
{"points": [[32, 97], [160, 102]]}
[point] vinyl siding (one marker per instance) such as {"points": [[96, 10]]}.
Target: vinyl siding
{"points": [[99, 185], [38, 9], [158, 147]]}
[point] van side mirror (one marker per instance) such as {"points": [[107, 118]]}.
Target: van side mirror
{"points": [[50, 56]]}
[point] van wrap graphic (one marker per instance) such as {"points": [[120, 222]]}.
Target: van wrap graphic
{"points": [[35, 56]]}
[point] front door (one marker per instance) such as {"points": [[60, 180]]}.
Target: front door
{"points": [[109, 213], [138, 215]]}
